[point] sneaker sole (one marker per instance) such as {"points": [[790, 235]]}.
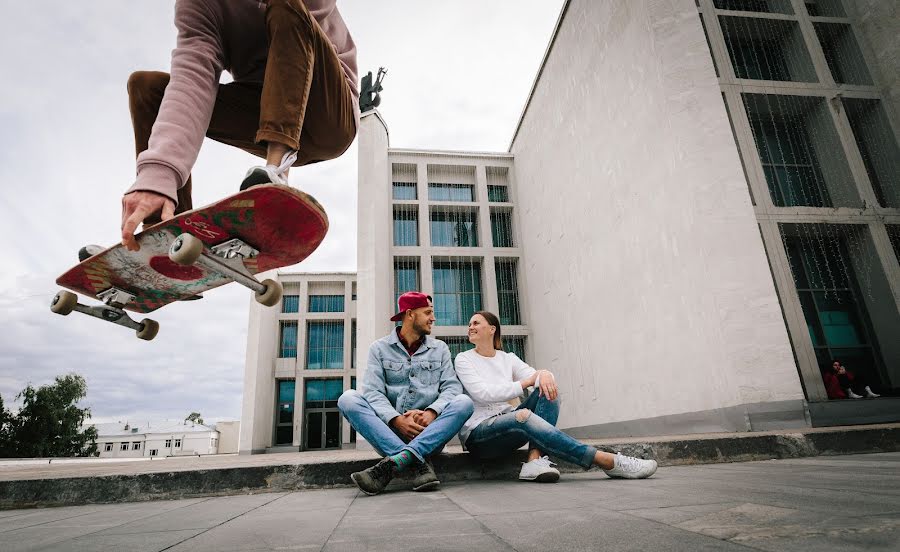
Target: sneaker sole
{"points": [[547, 477], [353, 477], [432, 486]]}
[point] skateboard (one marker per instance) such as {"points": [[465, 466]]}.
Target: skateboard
{"points": [[265, 227]]}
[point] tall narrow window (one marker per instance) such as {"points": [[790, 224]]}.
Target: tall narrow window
{"points": [[842, 53], [457, 291], [508, 292], [515, 344], [288, 340], [406, 226], [290, 303], [284, 413], [877, 146], [406, 276], [501, 228], [325, 345]]}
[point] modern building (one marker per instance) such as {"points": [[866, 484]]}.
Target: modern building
{"points": [[698, 210], [300, 358], [155, 439]]}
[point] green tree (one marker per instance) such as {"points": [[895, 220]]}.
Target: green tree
{"points": [[6, 447], [50, 421], [194, 417]]}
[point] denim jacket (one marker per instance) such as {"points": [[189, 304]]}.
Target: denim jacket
{"points": [[396, 382]]}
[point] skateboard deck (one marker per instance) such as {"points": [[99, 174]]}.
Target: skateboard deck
{"points": [[283, 224]]}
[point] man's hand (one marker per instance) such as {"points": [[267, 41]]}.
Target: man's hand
{"points": [[406, 425], [136, 207], [425, 417]]}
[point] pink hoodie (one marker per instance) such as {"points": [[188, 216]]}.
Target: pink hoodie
{"points": [[216, 35]]}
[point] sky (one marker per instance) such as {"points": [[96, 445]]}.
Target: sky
{"points": [[459, 74]]}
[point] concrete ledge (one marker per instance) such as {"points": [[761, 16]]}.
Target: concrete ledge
{"points": [[69, 484]]}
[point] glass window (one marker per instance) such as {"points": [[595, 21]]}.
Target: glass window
{"points": [[284, 415], [405, 191], [842, 53], [454, 228], [406, 227], [764, 6], [825, 8], [457, 344], [406, 277], [288, 340], [826, 284], [136, 446], [877, 146], [498, 194], [323, 393], [800, 151], [501, 228], [326, 303], [353, 345], [457, 291], [124, 446], [290, 303], [508, 291], [325, 345], [767, 49], [108, 447], [451, 192], [177, 443], [153, 452], [515, 344], [168, 443]]}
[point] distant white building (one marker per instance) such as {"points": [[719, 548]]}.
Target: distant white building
{"points": [[155, 438]]}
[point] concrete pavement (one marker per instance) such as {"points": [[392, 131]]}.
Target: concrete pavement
{"points": [[823, 503]]}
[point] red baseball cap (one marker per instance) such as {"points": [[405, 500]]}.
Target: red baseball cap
{"points": [[409, 301]]}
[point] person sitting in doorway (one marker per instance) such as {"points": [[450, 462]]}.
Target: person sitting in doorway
{"points": [[492, 376], [839, 383]]}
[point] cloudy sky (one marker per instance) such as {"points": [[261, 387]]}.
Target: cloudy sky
{"points": [[458, 76]]}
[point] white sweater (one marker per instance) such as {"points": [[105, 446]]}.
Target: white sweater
{"points": [[490, 382]]}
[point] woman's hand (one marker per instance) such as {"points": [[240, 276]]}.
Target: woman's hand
{"points": [[548, 386]]}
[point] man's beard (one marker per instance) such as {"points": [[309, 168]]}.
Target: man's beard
{"points": [[421, 329]]}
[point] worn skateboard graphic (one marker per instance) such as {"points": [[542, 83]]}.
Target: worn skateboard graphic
{"points": [[264, 227]]}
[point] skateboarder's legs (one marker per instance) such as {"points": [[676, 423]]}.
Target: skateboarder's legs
{"points": [[304, 102]]}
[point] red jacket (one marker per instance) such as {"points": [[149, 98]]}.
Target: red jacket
{"points": [[833, 384]]}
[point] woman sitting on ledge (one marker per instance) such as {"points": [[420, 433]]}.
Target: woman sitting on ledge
{"points": [[491, 377]]}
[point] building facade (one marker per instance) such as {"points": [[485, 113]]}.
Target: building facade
{"points": [[156, 439], [300, 358], [699, 210]]}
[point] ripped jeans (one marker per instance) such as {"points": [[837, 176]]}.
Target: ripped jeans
{"points": [[507, 432]]}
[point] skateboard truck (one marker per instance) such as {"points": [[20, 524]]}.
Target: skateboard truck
{"points": [[225, 259], [111, 311]]}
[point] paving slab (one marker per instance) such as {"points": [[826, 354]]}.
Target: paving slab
{"points": [[771, 506]]}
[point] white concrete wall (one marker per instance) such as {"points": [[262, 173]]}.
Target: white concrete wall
{"points": [[648, 286], [374, 262], [229, 435]]}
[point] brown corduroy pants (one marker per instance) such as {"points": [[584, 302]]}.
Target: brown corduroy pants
{"points": [[304, 101]]}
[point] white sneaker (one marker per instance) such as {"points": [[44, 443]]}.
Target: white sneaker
{"points": [[853, 395], [540, 470], [627, 467], [871, 394], [270, 174]]}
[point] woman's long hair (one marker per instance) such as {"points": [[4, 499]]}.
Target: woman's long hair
{"points": [[495, 322]]}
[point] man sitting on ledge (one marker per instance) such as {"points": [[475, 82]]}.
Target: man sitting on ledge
{"points": [[411, 402]]}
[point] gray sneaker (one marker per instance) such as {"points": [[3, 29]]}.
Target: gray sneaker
{"points": [[426, 479], [373, 480]]}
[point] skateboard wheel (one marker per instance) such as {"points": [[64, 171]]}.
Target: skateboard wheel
{"points": [[271, 295], [64, 303], [185, 250], [149, 329]]}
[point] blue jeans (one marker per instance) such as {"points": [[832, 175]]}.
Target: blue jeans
{"points": [[505, 433], [362, 417]]}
